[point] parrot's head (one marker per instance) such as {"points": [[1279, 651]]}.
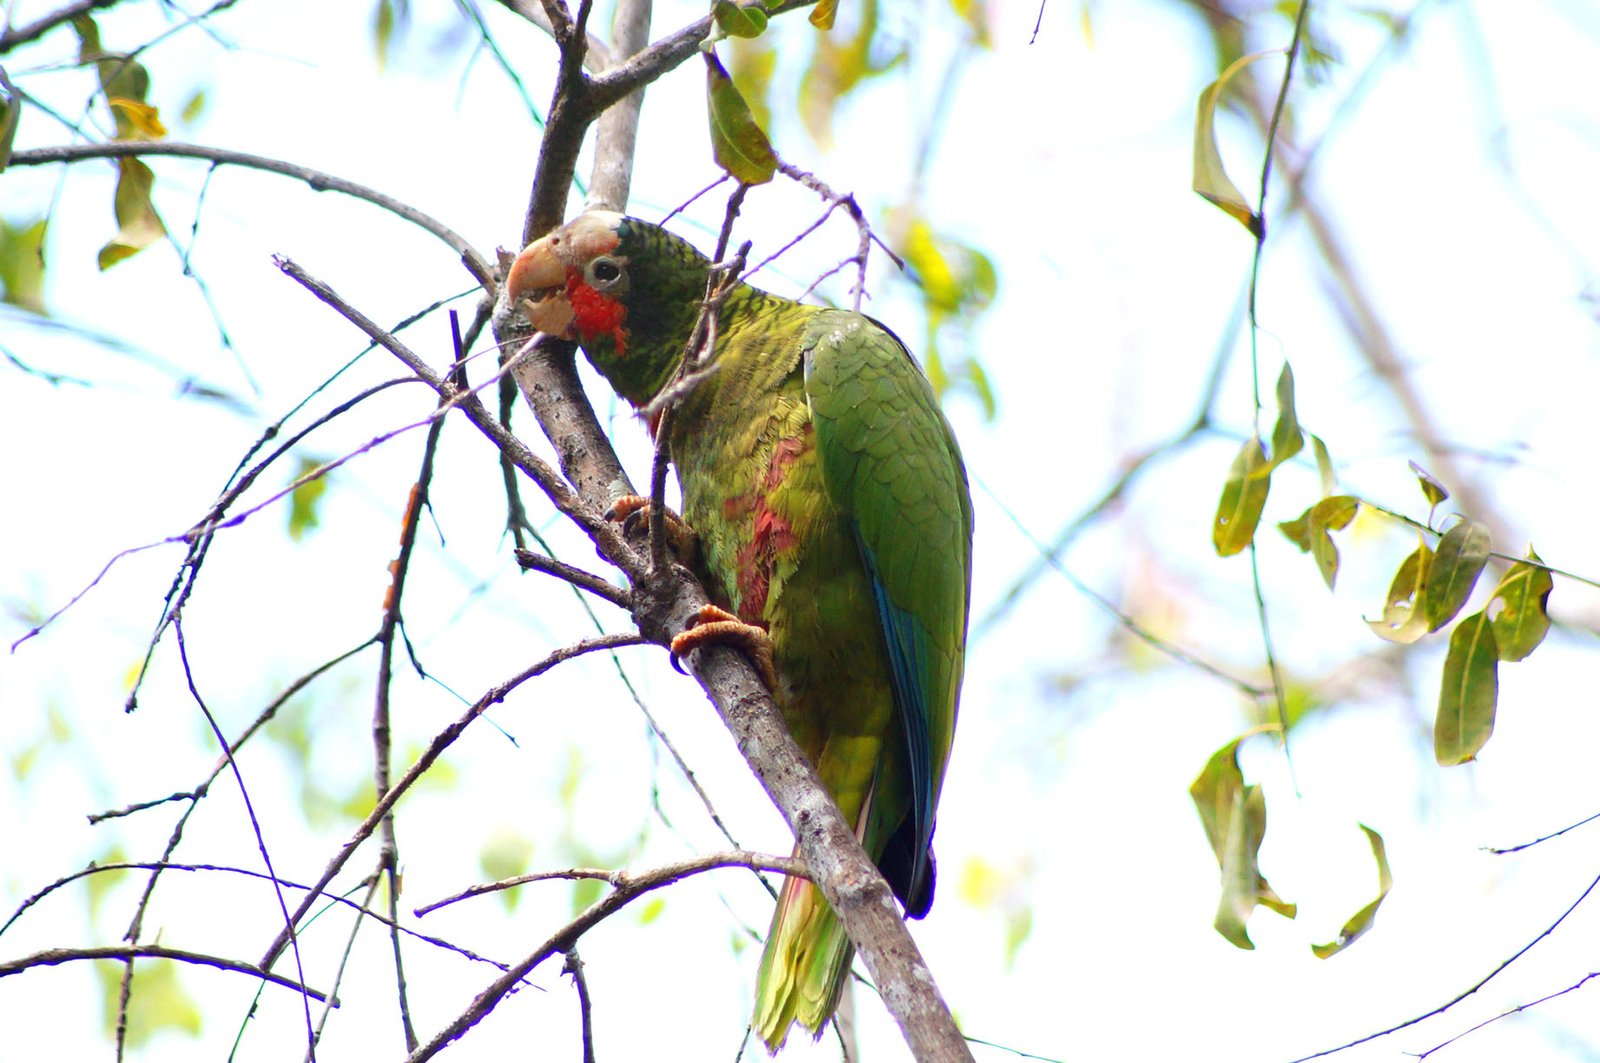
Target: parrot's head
{"points": [[626, 291]]}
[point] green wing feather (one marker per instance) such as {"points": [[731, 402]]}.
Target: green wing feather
{"points": [[891, 464]]}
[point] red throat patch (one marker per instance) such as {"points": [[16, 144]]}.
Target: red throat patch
{"points": [[596, 314]]}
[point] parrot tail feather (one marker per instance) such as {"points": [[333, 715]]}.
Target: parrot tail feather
{"points": [[804, 967]]}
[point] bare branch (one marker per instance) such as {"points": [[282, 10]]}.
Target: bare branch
{"points": [[129, 953], [476, 264], [10, 38], [629, 888], [637, 882], [619, 125]]}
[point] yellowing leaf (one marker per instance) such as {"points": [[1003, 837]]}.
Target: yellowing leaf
{"points": [[22, 265], [1210, 176], [1324, 464], [737, 20], [136, 120], [139, 225], [1432, 489], [303, 500], [1310, 531], [1468, 691], [1287, 438], [1457, 562], [1361, 922], [1235, 819], [737, 143], [1244, 495], [1522, 621], [822, 15], [1403, 619]]}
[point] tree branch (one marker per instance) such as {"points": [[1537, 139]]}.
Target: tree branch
{"points": [[10, 38], [128, 953], [476, 264]]}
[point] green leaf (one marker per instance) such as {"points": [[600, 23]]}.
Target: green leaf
{"points": [[139, 225], [1330, 514], [303, 499], [1287, 437], [1324, 464], [1457, 562], [1210, 176], [1523, 618], [1403, 619], [193, 107], [1244, 495], [735, 20], [1432, 489], [1309, 531], [1468, 691], [1235, 819], [10, 116], [737, 143], [1361, 922], [22, 265]]}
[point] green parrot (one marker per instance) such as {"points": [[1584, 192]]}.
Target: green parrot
{"points": [[834, 523]]}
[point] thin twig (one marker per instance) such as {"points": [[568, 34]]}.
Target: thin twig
{"points": [[574, 967], [625, 880], [441, 741], [128, 953], [1464, 994], [475, 262]]}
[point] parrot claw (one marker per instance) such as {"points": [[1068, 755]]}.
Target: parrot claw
{"points": [[633, 513], [714, 626]]}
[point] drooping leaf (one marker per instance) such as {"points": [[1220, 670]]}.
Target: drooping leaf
{"points": [[737, 143], [1287, 436], [303, 500], [1432, 489], [1244, 495], [1468, 691], [1523, 618], [1235, 819], [751, 66], [136, 120], [10, 117], [1210, 176], [737, 20], [138, 224], [1324, 464], [22, 265], [823, 14], [1457, 562], [1310, 531], [1403, 620], [1361, 922]]}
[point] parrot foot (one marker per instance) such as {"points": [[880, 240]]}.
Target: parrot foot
{"points": [[714, 626], [633, 512]]}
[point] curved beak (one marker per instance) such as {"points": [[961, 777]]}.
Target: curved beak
{"points": [[536, 285]]}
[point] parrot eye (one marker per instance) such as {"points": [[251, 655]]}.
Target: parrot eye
{"points": [[606, 273]]}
